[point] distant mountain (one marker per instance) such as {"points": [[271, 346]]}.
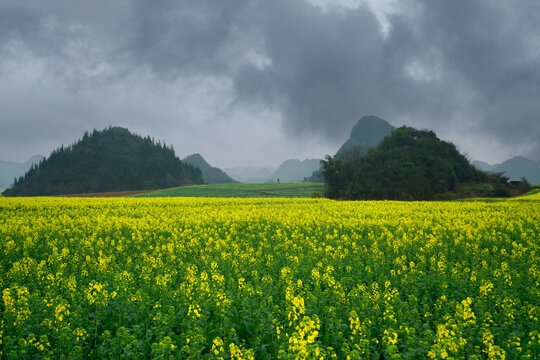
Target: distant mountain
{"points": [[514, 168], [484, 166], [295, 170], [250, 174], [368, 132], [291, 170], [110, 160], [10, 170], [211, 175]]}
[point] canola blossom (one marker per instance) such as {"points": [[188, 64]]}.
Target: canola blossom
{"points": [[187, 278]]}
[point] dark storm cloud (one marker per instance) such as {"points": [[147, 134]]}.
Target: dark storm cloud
{"points": [[477, 65], [20, 24], [464, 69], [175, 37], [449, 66], [323, 67], [490, 49]]}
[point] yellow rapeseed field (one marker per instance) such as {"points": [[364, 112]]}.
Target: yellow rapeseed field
{"points": [[190, 278]]}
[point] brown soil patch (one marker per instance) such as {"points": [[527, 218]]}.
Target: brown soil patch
{"points": [[107, 194]]}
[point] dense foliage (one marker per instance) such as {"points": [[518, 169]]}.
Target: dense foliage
{"points": [[268, 278], [110, 160], [409, 164]]}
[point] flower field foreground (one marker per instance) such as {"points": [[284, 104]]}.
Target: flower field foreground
{"points": [[268, 278]]}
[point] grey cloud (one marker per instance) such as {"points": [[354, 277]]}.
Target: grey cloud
{"points": [[175, 37], [18, 23], [490, 49], [450, 66], [323, 70], [328, 69]]}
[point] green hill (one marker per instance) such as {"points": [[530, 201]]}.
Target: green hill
{"points": [[211, 175], [409, 164], [104, 161], [368, 132]]}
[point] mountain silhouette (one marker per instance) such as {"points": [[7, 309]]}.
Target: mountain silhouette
{"points": [[211, 175], [368, 132]]}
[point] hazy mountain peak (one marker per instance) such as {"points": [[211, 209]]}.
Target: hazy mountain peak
{"points": [[370, 126], [9, 170], [34, 159], [515, 168], [211, 174], [295, 170], [195, 156], [368, 132]]}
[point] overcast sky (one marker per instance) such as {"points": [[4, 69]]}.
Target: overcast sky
{"points": [[256, 82]]}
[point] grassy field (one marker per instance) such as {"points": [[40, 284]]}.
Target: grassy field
{"points": [[287, 190], [189, 278]]}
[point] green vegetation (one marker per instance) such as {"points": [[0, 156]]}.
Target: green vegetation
{"points": [[409, 164], [287, 190], [208, 278], [531, 195], [481, 186], [106, 161]]}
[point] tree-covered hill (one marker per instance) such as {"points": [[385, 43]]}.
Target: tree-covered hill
{"points": [[110, 160], [365, 135], [408, 164]]}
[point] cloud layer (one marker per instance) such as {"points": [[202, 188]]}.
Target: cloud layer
{"points": [[251, 81]]}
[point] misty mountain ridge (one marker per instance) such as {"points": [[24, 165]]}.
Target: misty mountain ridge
{"points": [[515, 168], [110, 160], [366, 134], [291, 170], [211, 174], [9, 170], [250, 174], [294, 170], [484, 166]]}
